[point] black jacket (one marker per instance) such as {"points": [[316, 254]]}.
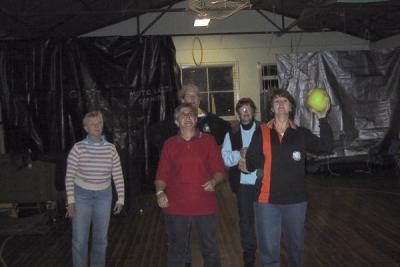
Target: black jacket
{"points": [[235, 135], [214, 125], [288, 160]]}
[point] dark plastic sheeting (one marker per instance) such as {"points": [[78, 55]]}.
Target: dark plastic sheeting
{"points": [[47, 86], [364, 89]]}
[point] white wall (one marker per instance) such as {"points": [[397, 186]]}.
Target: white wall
{"points": [[245, 50], [248, 51], [391, 42]]}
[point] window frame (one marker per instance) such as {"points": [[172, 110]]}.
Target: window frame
{"points": [[268, 77], [264, 114], [235, 77]]}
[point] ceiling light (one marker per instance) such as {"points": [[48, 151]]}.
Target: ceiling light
{"points": [[359, 1], [201, 22]]}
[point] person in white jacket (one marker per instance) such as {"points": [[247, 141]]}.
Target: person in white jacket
{"points": [[233, 153]]}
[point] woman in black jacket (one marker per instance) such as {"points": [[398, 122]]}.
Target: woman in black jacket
{"points": [[278, 151]]}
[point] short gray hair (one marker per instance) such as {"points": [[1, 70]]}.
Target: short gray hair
{"points": [[91, 115], [184, 105], [185, 88]]}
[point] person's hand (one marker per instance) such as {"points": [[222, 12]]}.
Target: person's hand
{"points": [[322, 114], [243, 166], [70, 210], [117, 208], [209, 186], [162, 200], [243, 152]]}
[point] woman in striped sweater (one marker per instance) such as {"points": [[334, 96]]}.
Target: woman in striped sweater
{"points": [[91, 165]]}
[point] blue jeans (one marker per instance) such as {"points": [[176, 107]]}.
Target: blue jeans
{"points": [[91, 207], [271, 221], [179, 228], [245, 199]]}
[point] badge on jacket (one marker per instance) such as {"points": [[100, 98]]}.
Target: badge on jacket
{"points": [[206, 128], [296, 155]]}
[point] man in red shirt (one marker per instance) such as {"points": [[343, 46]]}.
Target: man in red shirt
{"points": [[189, 169]]}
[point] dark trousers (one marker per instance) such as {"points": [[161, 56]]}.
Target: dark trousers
{"points": [[245, 198], [179, 228]]}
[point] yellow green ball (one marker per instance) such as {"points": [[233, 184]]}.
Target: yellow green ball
{"points": [[317, 99]]}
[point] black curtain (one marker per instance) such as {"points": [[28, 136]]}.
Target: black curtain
{"points": [[365, 91], [47, 86]]}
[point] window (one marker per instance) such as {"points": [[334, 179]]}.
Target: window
{"points": [[269, 76], [269, 80], [216, 83]]}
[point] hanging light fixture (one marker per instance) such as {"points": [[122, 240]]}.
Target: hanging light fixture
{"points": [[201, 22]]}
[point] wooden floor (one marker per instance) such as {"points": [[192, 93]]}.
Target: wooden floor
{"points": [[352, 220]]}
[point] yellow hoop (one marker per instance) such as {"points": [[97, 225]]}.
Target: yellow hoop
{"points": [[201, 51]]}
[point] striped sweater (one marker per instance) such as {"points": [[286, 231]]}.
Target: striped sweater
{"points": [[91, 167]]}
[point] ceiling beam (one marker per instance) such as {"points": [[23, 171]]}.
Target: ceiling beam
{"points": [[156, 19], [17, 20], [241, 33], [269, 20], [105, 12]]}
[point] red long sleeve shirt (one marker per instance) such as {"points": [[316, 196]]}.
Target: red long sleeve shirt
{"points": [[185, 166]]}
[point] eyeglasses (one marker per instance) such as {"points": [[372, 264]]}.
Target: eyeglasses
{"points": [[187, 114], [243, 109]]}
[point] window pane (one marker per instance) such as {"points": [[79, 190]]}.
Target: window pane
{"points": [[268, 84], [196, 76], [204, 102], [220, 78], [265, 84], [222, 104], [270, 70]]}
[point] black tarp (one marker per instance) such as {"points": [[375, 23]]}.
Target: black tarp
{"points": [[47, 87], [364, 88]]}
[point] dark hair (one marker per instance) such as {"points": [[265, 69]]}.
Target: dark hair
{"points": [[245, 101], [184, 105], [278, 92]]}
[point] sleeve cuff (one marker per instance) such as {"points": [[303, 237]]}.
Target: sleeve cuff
{"points": [[236, 156], [70, 199]]}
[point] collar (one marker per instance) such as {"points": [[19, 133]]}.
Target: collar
{"points": [[201, 113], [196, 135], [89, 141], [271, 124], [247, 127]]}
